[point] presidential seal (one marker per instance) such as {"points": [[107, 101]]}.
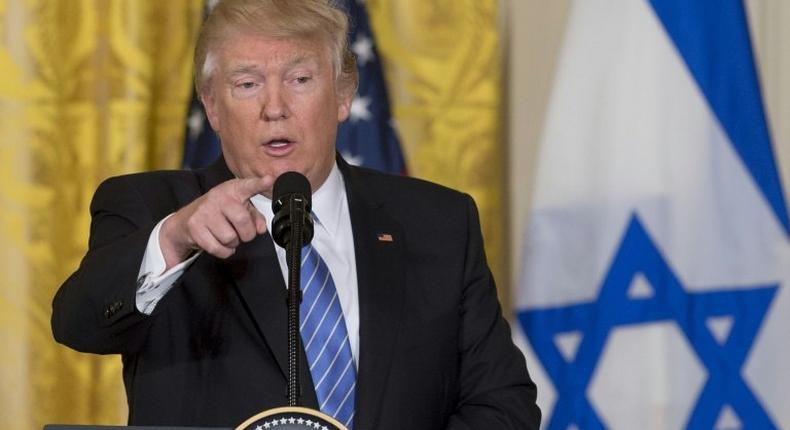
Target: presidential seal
{"points": [[291, 418]]}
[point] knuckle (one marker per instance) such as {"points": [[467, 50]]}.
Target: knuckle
{"points": [[247, 235], [215, 249], [238, 217], [193, 226], [226, 237]]}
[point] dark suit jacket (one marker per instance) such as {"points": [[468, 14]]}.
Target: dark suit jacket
{"points": [[435, 352]]}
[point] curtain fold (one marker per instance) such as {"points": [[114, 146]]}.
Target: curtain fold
{"points": [[88, 89]]}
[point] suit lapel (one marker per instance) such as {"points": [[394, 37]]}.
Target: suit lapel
{"points": [[256, 272], [379, 254]]}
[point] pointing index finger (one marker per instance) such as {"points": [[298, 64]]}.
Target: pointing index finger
{"points": [[248, 187]]}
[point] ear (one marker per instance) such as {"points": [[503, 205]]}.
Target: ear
{"points": [[210, 105], [344, 106]]}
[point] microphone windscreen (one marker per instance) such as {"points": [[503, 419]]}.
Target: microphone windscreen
{"points": [[290, 183]]}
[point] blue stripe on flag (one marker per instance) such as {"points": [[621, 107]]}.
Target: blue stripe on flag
{"points": [[713, 38]]}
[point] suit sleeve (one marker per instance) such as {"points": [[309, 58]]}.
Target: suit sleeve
{"points": [[495, 388], [94, 310]]}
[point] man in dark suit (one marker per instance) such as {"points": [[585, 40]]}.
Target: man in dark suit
{"points": [[184, 281]]}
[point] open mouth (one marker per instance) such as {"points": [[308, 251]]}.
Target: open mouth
{"points": [[279, 146], [279, 143]]}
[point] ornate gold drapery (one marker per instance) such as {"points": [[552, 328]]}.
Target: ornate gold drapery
{"points": [[88, 89]]}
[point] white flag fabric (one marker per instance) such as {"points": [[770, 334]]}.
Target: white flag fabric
{"points": [[654, 287]]}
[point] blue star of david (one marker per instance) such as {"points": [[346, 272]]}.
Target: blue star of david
{"points": [[670, 302]]}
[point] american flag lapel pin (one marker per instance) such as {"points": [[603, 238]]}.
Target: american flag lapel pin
{"points": [[384, 237]]}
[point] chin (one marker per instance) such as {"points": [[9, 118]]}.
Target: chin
{"points": [[280, 171]]}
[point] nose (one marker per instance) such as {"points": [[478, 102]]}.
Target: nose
{"points": [[274, 106]]}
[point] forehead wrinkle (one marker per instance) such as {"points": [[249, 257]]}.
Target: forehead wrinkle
{"points": [[288, 59], [244, 68], [297, 59]]}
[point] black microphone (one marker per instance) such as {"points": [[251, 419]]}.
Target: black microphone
{"points": [[292, 228], [291, 204]]}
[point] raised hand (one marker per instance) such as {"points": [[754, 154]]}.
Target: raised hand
{"points": [[216, 222]]}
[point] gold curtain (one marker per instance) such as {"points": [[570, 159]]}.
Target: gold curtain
{"points": [[444, 71], [88, 89]]}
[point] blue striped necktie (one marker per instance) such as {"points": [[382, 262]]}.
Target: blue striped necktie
{"points": [[325, 339]]}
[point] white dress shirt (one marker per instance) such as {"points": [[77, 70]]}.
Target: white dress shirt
{"points": [[333, 239]]}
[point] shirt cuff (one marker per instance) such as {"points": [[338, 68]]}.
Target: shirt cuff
{"points": [[152, 280]]}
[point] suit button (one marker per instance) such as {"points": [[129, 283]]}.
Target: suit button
{"points": [[112, 309]]}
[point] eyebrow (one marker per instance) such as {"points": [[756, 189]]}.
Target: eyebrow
{"points": [[244, 68], [297, 60]]}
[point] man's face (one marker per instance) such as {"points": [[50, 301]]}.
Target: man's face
{"points": [[276, 106]]}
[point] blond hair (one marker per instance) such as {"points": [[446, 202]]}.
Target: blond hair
{"points": [[320, 19]]}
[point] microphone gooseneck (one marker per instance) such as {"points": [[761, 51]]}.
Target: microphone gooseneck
{"points": [[292, 228]]}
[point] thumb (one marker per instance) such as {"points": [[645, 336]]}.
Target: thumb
{"points": [[259, 220]]}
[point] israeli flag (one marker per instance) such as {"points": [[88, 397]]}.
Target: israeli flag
{"points": [[654, 292]]}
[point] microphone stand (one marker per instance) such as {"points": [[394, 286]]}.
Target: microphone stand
{"points": [[294, 259], [291, 229]]}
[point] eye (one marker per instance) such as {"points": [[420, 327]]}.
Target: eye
{"points": [[245, 88], [303, 79]]}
